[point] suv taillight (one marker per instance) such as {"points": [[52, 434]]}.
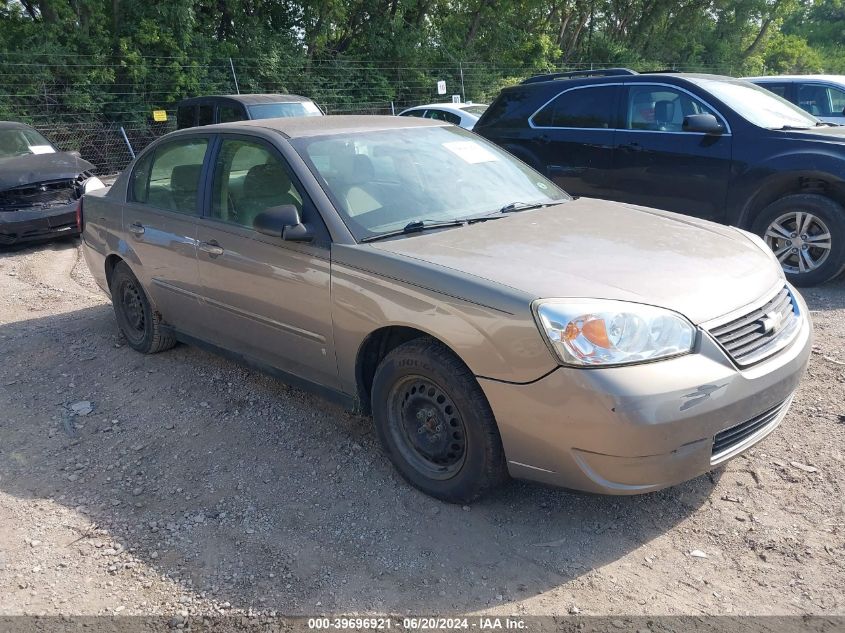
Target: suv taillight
{"points": [[79, 215]]}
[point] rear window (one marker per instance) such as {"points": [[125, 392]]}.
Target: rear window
{"points": [[589, 107], [276, 110]]}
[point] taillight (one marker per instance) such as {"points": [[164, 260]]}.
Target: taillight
{"points": [[79, 215]]}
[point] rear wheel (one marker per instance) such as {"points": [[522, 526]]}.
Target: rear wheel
{"points": [[139, 323], [435, 423], [807, 234]]}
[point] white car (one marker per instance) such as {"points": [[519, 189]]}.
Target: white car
{"points": [[462, 114], [823, 96]]}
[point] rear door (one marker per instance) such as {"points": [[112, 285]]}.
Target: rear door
{"points": [[658, 164], [574, 137], [265, 298], [160, 220]]}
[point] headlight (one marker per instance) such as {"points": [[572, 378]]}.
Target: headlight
{"points": [[92, 184], [594, 332]]}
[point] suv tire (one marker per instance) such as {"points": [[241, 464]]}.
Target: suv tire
{"points": [[794, 227], [435, 423]]}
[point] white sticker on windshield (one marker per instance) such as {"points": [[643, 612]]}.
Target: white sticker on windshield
{"points": [[471, 152], [41, 149]]}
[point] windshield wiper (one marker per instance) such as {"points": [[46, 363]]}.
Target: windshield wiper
{"points": [[513, 207], [792, 127], [417, 226]]}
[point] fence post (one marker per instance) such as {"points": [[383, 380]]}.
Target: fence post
{"points": [[128, 144], [463, 91], [392, 109], [234, 76]]}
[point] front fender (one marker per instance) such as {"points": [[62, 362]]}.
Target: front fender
{"points": [[757, 185], [490, 328]]}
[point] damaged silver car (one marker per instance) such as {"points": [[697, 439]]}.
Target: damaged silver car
{"points": [[40, 186]]}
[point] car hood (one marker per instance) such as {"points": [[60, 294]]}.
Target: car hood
{"points": [[599, 249], [24, 170]]}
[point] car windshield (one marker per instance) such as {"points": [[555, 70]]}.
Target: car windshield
{"points": [[758, 105], [477, 110], [277, 110], [23, 141], [381, 181]]}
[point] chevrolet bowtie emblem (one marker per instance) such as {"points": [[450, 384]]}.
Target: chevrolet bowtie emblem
{"points": [[771, 321]]}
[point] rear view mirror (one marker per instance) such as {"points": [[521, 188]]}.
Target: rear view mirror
{"points": [[284, 222], [704, 123]]}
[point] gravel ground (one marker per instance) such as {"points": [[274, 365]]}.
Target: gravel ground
{"points": [[196, 486]]}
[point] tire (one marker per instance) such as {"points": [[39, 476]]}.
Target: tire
{"points": [[810, 262], [139, 323], [435, 423]]}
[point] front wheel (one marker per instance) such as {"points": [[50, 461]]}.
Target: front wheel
{"points": [[807, 234], [435, 423]]}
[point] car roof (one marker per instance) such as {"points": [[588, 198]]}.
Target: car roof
{"points": [[247, 99], [297, 127], [446, 106], [837, 78], [647, 77], [14, 125]]}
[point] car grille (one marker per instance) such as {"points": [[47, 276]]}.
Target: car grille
{"points": [[42, 194], [762, 332], [732, 440]]}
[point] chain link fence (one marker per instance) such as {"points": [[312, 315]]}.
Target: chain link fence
{"points": [[101, 109]]}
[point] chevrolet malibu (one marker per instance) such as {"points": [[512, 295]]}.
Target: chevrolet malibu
{"points": [[490, 323]]}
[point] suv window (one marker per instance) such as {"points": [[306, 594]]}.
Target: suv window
{"points": [[170, 178], [821, 100], [186, 117], [206, 115], [229, 114], [661, 108], [442, 115], [589, 107], [779, 89], [248, 178]]}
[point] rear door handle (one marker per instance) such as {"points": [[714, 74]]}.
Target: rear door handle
{"points": [[137, 228], [212, 248]]}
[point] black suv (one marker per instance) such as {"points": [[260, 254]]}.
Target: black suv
{"points": [[228, 108], [704, 145]]}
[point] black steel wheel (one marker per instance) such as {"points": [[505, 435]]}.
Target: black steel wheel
{"points": [[435, 423], [136, 318]]}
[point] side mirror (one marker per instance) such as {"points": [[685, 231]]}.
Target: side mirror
{"points": [[706, 123], [284, 222]]}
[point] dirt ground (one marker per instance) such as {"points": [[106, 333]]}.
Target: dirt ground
{"points": [[195, 486]]}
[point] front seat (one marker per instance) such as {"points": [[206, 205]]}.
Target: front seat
{"points": [[264, 186], [664, 114], [184, 183]]}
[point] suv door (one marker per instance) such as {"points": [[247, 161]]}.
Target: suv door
{"points": [[265, 298], [574, 137], [658, 164], [160, 222]]}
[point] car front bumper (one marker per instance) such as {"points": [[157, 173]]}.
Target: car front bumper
{"points": [[635, 429], [36, 224]]}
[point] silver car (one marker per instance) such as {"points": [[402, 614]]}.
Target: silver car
{"points": [[491, 324]]}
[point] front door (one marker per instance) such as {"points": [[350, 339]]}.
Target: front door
{"points": [[160, 219], [658, 164], [574, 139], [265, 298], [822, 100]]}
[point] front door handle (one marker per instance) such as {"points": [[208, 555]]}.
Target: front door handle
{"points": [[212, 248], [137, 228]]}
